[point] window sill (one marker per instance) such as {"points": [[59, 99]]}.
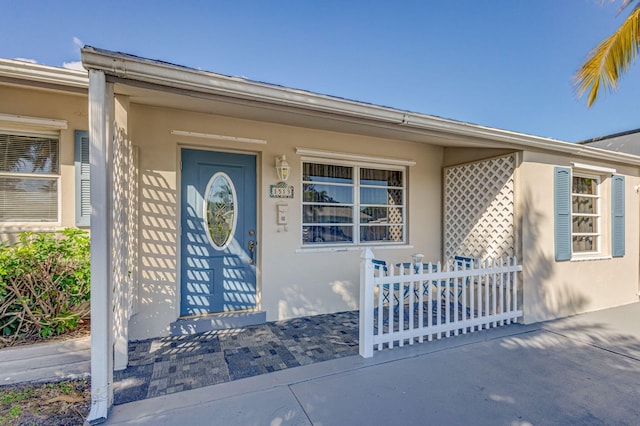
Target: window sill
{"points": [[352, 248], [588, 258], [30, 226]]}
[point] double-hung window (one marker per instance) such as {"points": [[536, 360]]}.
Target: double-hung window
{"points": [[29, 177], [589, 212], [585, 213], [353, 204]]}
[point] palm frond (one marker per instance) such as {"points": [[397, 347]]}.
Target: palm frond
{"points": [[610, 59], [624, 5]]}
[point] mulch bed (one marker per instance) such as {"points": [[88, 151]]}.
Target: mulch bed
{"points": [[83, 330]]}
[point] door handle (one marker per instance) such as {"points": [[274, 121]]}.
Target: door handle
{"points": [[252, 250]]}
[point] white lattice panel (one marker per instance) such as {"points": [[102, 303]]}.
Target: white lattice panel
{"points": [[395, 215], [479, 209], [124, 230]]}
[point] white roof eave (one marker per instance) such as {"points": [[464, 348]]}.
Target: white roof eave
{"points": [[165, 74], [23, 70]]}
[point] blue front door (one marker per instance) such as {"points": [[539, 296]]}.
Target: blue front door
{"points": [[218, 241]]}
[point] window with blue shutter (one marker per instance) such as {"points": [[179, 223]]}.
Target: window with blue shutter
{"points": [[617, 216], [562, 213], [83, 194]]}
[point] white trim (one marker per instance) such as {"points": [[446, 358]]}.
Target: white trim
{"points": [[592, 168], [217, 137], [43, 73], [168, 75], [350, 248], [597, 215], [16, 227], [586, 257], [23, 120], [356, 204], [314, 153]]}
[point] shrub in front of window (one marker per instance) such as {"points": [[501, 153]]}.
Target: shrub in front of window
{"points": [[44, 285]]}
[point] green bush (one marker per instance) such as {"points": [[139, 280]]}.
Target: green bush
{"points": [[44, 284]]}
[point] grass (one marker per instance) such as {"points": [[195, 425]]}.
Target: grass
{"points": [[61, 403]]}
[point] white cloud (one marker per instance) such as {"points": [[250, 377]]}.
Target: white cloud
{"points": [[77, 42], [75, 65], [31, 61]]}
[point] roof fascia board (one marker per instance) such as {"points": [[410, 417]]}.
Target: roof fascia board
{"points": [[516, 140], [43, 73], [159, 73], [201, 81]]}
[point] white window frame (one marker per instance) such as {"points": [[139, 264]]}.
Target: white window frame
{"points": [[356, 205], [598, 215], [56, 176]]}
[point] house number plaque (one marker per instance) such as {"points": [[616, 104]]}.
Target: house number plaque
{"points": [[281, 190]]}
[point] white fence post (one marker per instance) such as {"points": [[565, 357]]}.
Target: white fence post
{"points": [[366, 303]]}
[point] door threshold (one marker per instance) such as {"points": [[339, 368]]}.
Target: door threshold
{"points": [[217, 321]]}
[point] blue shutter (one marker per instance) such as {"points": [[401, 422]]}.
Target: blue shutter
{"points": [[617, 215], [562, 212], [83, 194]]}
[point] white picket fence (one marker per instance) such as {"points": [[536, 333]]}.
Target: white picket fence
{"points": [[400, 306]]}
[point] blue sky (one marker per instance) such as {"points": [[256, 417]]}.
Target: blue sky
{"points": [[501, 63]]}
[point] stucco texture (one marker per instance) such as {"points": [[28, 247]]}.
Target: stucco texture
{"points": [[292, 281], [555, 289], [16, 100]]}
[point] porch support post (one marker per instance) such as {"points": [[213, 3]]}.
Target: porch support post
{"points": [[100, 106], [365, 342]]}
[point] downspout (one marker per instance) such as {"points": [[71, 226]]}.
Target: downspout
{"points": [[100, 115]]}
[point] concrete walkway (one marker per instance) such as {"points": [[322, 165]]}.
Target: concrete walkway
{"points": [[45, 362], [580, 370]]}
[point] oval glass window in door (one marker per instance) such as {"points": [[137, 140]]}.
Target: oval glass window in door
{"points": [[220, 210]]}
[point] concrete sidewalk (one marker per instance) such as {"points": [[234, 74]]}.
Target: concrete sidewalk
{"points": [[45, 362], [580, 370]]}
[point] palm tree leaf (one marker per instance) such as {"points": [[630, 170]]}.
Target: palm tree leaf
{"points": [[624, 5], [610, 59]]}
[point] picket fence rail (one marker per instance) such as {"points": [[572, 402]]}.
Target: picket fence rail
{"points": [[407, 304]]}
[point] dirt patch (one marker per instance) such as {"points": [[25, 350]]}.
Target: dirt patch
{"points": [[64, 403]]}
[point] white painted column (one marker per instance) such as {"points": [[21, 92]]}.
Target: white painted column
{"points": [[100, 105], [366, 304]]}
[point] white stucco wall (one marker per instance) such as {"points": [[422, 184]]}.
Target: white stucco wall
{"points": [[291, 282], [39, 103], [555, 289]]}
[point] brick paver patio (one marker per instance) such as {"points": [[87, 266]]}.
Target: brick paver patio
{"points": [[173, 364]]}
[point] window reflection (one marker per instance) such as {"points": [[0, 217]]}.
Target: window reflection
{"points": [[350, 204]]}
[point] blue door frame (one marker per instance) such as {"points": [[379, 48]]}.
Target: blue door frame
{"points": [[217, 280]]}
